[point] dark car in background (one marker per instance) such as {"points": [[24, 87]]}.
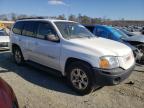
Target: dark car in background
{"points": [[135, 42], [142, 30], [7, 96], [126, 31]]}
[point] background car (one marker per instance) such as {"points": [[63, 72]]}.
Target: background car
{"points": [[142, 30], [126, 32], [4, 40], [7, 96], [135, 42]]}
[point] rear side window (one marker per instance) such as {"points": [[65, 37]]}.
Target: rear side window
{"points": [[17, 29], [29, 29]]}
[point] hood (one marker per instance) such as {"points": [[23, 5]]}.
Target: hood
{"points": [[4, 39], [101, 46], [136, 38]]}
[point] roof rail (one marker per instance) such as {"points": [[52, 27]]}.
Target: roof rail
{"points": [[31, 18]]}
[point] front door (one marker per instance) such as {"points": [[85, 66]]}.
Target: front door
{"points": [[47, 51]]}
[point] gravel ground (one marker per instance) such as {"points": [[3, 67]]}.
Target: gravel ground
{"points": [[38, 89]]}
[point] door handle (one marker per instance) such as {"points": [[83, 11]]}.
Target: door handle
{"points": [[52, 57], [29, 49]]}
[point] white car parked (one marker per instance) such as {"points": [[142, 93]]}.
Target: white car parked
{"points": [[87, 61], [4, 40]]}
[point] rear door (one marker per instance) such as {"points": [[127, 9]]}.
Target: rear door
{"points": [[16, 35], [29, 35]]}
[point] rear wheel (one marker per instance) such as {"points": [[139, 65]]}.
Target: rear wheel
{"points": [[80, 77], [18, 57]]}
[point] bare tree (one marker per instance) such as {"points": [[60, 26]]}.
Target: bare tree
{"points": [[61, 17], [72, 18], [3, 17]]}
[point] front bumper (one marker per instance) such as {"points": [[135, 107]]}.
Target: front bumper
{"points": [[112, 76]]}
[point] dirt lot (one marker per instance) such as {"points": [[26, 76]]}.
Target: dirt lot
{"points": [[38, 89]]}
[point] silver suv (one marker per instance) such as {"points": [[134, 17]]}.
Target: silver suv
{"points": [[87, 61]]}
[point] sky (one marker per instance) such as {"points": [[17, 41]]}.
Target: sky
{"points": [[113, 9]]}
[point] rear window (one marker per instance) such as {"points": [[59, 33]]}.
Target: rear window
{"points": [[29, 29], [17, 29]]}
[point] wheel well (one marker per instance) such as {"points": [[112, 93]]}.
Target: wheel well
{"points": [[71, 60], [14, 46]]}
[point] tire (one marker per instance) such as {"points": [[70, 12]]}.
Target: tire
{"points": [[83, 85], [18, 57]]}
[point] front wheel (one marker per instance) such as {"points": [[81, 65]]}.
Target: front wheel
{"points": [[80, 78]]}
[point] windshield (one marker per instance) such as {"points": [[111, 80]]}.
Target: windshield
{"points": [[119, 33], [71, 30], [3, 33]]}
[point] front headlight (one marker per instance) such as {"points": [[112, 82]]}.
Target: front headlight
{"points": [[108, 62]]}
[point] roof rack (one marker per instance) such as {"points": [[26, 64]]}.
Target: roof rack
{"points": [[31, 18]]}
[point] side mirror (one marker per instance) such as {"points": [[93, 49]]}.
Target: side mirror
{"points": [[52, 38]]}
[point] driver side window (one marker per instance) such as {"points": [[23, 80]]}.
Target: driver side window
{"points": [[44, 31]]}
